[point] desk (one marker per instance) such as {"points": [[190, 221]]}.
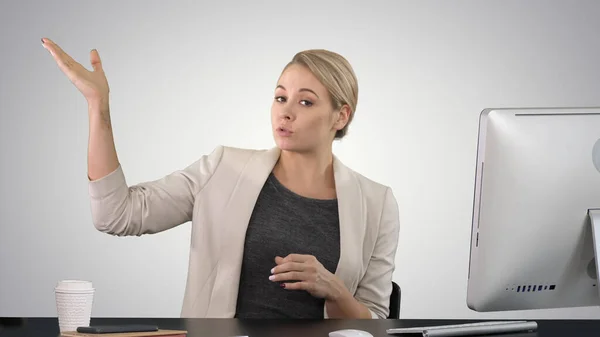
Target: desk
{"points": [[48, 327]]}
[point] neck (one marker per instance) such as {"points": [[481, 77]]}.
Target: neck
{"points": [[308, 168]]}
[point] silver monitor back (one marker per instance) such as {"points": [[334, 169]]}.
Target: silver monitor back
{"points": [[537, 175]]}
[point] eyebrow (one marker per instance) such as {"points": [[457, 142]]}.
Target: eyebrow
{"points": [[301, 89]]}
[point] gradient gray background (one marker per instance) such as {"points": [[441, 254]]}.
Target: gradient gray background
{"points": [[186, 76]]}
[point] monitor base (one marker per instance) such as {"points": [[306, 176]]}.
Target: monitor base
{"points": [[594, 215]]}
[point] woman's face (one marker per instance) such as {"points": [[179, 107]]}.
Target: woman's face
{"points": [[302, 115]]}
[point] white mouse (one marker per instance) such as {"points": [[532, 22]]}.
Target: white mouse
{"points": [[349, 333]]}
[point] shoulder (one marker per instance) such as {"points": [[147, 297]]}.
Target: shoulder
{"points": [[370, 188], [369, 185], [378, 198], [238, 151], [224, 153], [237, 159], [380, 194]]}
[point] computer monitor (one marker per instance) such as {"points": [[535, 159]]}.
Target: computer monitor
{"points": [[537, 187]]}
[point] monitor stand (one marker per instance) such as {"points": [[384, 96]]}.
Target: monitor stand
{"points": [[594, 215]]}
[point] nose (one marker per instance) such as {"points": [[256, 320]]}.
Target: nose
{"points": [[286, 112]]}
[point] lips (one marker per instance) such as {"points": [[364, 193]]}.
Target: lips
{"points": [[284, 132]]}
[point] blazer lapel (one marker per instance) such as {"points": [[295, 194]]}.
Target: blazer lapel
{"points": [[352, 217], [234, 225]]}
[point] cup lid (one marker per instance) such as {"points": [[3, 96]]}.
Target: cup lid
{"points": [[70, 285], [69, 291]]}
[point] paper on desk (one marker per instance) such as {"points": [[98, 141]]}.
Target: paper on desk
{"points": [[159, 333]]}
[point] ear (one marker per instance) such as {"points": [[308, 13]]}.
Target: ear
{"points": [[343, 116]]}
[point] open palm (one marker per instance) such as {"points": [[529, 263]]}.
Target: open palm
{"points": [[92, 84]]}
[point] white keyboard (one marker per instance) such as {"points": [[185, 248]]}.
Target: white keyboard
{"points": [[468, 329]]}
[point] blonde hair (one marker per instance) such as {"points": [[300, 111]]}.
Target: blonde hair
{"points": [[336, 74]]}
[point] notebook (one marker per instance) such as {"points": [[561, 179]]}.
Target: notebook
{"points": [[159, 333]]}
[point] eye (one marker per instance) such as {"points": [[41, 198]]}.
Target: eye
{"points": [[280, 99], [306, 103]]}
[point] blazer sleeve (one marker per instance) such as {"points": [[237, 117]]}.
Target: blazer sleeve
{"points": [[375, 288], [149, 207]]}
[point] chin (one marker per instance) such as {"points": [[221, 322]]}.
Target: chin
{"points": [[287, 147], [286, 144]]}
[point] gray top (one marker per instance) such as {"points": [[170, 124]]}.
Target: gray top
{"points": [[283, 223]]}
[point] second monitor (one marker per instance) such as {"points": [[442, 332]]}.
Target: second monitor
{"points": [[537, 186]]}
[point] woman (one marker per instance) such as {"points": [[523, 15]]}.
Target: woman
{"points": [[284, 232]]}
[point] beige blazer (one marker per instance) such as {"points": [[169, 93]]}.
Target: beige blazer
{"points": [[217, 194]]}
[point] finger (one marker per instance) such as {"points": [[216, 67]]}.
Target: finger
{"points": [[288, 266], [289, 276], [298, 258], [278, 260], [65, 62], [46, 45], [95, 60], [297, 286], [56, 51]]}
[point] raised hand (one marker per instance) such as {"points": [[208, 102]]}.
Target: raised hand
{"points": [[92, 84], [102, 155]]}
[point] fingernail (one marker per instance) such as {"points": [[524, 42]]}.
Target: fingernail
{"points": [[271, 277], [282, 285], [272, 270], [42, 40]]}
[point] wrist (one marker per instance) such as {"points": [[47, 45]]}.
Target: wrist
{"points": [[98, 105], [339, 293], [99, 116]]}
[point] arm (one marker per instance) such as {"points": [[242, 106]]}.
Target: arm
{"points": [[375, 288], [116, 208], [345, 306], [102, 155], [149, 207], [145, 208]]}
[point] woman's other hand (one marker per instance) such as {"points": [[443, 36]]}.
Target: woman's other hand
{"points": [[305, 272]]}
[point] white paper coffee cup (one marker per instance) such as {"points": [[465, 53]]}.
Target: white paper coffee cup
{"points": [[74, 302]]}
